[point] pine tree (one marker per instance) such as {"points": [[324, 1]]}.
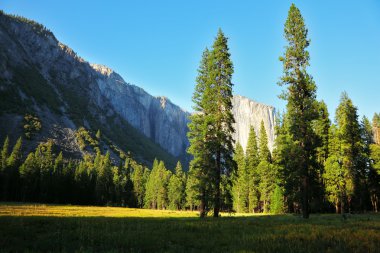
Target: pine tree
{"points": [[30, 177], [210, 129], [300, 96], [16, 154], [192, 192], [12, 177], [277, 201], [176, 188], [349, 135], [344, 164], [139, 181], [104, 180], [219, 114], [264, 153], [156, 196], [240, 188], [333, 174], [200, 164], [162, 182], [321, 128], [266, 173], [4, 154], [252, 160]]}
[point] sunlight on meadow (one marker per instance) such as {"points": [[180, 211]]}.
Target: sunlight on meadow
{"points": [[94, 211]]}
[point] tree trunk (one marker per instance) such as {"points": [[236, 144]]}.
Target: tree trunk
{"points": [[337, 207], [217, 186], [202, 205], [305, 197]]}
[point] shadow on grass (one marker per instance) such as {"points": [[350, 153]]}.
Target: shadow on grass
{"points": [[282, 233]]}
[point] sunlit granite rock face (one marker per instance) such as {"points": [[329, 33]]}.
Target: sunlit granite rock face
{"points": [[250, 113], [166, 123], [156, 117]]}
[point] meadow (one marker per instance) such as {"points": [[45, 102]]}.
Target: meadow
{"points": [[56, 228]]}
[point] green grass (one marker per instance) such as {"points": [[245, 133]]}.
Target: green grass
{"points": [[41, 228]]}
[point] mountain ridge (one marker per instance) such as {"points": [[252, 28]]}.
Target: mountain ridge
{"points": [[49, 79]]}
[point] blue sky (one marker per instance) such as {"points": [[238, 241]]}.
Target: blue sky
{"points": [[157, 45]]}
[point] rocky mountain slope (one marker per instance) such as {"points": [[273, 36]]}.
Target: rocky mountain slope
{"points": [[42, 77]]}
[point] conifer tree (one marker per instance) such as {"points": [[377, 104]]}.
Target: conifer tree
{"points": [[277, 201], [241, 182], [210, 129], [176, 188], [200, 164], [16, 154], [156, 196], [333, 175], [252, 161], [192, 190], [300, 96], [265, 169], [321, 129], [104, 180], [350, 139], [4, 154], [139, 182], [264, 153], [30, 177], [12, 181], [219, 114], [162, 182]]}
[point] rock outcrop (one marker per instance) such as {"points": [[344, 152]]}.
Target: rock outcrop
{"points": [[156, 117], [250, 113]]}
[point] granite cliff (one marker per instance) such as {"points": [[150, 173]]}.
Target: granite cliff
{"points": [[41, 76]]}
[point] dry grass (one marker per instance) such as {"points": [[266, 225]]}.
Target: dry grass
{"points": [[14, 209], [55, 228]]}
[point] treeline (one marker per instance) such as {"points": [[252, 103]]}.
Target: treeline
{"points": [[47, 177], [44, 176]]}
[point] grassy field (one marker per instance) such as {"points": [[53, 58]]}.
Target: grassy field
{"points": [[54, 228]]}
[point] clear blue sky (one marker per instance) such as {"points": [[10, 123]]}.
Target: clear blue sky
{"points": [[157, 45]]}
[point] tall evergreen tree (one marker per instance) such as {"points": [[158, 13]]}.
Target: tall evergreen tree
{"points": [[264, 153], [211, 126], [11, 172], [139, 181], [252, 161], [265, 170], [241, 182], [321, 128], [300, 96], [4, 154], [200, 164], [333, 174], [192, 193], [219, 114], [344, 165], [350, 138], [176, 188], [104, 180]]}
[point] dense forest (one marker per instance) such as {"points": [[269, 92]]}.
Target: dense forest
{"points": [[316, 165]]}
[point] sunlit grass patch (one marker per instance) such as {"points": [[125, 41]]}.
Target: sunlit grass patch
{"points": [[54, 228]]}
